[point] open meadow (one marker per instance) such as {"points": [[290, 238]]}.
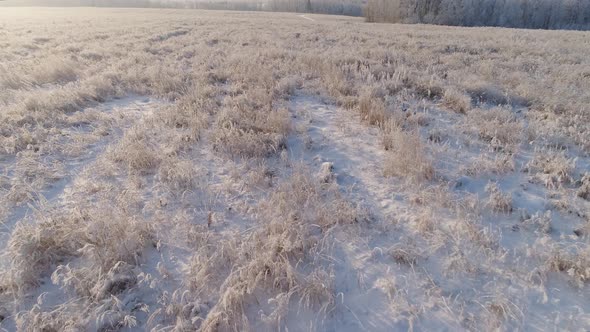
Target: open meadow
{"points": [[181, 170]]}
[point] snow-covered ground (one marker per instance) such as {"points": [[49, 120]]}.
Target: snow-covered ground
{"points": [[190, 170], [385, 293]]}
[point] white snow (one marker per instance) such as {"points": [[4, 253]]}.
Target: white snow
{"points": [[386, 276]]}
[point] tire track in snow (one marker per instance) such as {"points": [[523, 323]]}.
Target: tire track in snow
{"points": [[307, 18]]}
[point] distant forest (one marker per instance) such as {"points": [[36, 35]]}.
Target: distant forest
{"points": [[336, 7], [535, 14]]}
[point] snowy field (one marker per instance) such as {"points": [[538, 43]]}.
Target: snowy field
{"points": [[187, 170]]}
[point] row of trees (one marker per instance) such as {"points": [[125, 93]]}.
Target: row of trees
{"points": [[339, 7], [536, 14]]}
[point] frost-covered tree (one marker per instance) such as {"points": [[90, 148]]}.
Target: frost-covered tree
{"points": [[538, 14]]}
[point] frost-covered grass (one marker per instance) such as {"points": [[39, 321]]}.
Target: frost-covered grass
{"points": [[191, 170]]}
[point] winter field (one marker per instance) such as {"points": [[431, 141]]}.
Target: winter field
{"points": [[181, 170]]}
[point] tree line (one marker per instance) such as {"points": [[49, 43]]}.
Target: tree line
{"points": [[535, 14], [336, 7]]}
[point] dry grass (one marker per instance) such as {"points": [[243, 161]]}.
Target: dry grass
{"points": [[551, 168], [54, 70], [157, 171], [575, 264], [136, 153], [456, 101], [250, 127], [584, 189], [279, 258], [498, 164], [406, 155], [498, 127], [498, 201], [103, 236], [372, 110]]}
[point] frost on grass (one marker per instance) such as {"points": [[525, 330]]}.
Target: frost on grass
{"points": [[584, 189], [406, 155], [251, 127], [278, 261], [551, 168], [101, 236], [498, 201], [219, 207], [456, 101]]}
